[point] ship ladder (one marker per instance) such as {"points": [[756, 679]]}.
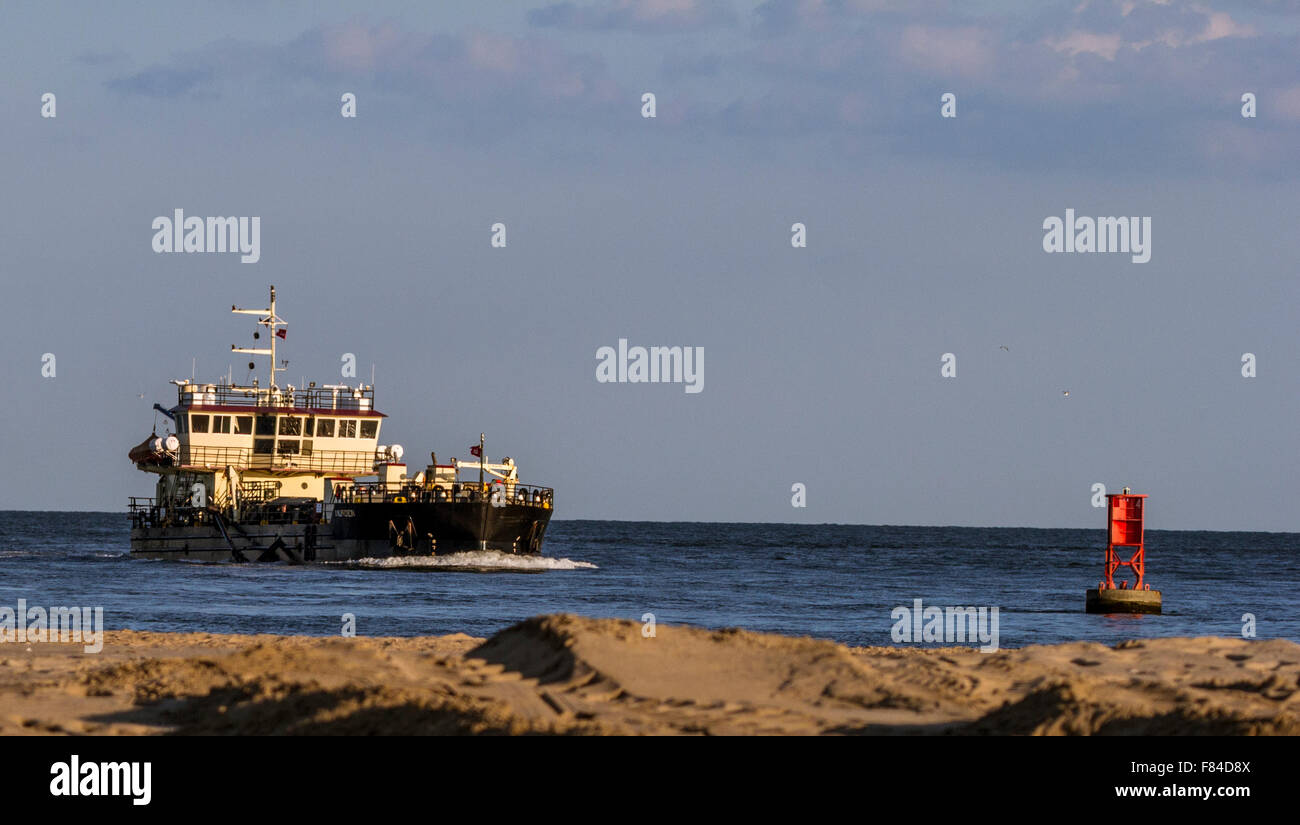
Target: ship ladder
{"points": [[403, 539], [235, 555]]}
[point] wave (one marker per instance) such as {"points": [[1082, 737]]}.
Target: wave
{"points": [[478, 560]]}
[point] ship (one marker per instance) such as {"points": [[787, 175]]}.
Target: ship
{"points": [[270, 473]]}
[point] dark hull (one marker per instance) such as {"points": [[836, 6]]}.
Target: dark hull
{"points": [[424, 528], [355, 531]]}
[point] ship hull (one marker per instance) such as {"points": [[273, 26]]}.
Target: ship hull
{"points": [[356, 531]]}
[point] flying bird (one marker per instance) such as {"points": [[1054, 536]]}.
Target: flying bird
{"points": [[1008, 349], [1066, 393]]}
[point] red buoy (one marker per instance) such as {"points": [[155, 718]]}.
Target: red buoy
{"points": [[1125, 529]]}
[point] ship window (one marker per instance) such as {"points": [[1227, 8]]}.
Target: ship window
{"points": [[243, 424], [308, 427], [347, 429], [263, 446], [181, 429], [325, 428], [266, 425], [220, 423], [290, 425], [306, 446], [198, 423], [286, 446], [369, 429]]}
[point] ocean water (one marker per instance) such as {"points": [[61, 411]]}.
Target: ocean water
{"points": [[838, 582]]}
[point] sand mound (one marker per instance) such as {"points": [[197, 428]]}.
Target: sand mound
{"points": [[567, 674]]}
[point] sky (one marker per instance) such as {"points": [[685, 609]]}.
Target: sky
{"points": [[823, 364]]}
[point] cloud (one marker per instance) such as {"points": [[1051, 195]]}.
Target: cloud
{"points": [[1154, 24], [1053, 86], [1222, 25], [774, 17], [355, 47], [647, 16], [474, 68], [1056, 87], [1081, 42], [679, 65], [963, 52], [489, 78], [94, 58], [161, 82], [1286, 103]]}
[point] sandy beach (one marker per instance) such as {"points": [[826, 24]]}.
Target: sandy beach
{"points": [[570, 675]]}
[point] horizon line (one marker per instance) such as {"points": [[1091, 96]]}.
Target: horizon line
{"points": [[1100, 528]]}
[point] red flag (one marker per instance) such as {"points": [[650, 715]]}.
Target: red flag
{"points": [[282, 333], [476, 451]]}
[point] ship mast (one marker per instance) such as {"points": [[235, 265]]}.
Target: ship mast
{"points": [[272, 322]]}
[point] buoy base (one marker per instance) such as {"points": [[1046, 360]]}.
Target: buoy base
{"points": [[1112, 600]]}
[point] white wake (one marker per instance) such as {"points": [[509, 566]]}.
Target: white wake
{"points": [[473, 560]]}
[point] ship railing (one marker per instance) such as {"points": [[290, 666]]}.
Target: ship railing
{"points": [[355, 399], [256, 492], [138, 504], [141, 505], [326, 461], [297, 512], [148, 512], [402, 492]]}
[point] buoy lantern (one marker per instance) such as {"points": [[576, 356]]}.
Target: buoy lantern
{"points": [[1124, 528]]}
